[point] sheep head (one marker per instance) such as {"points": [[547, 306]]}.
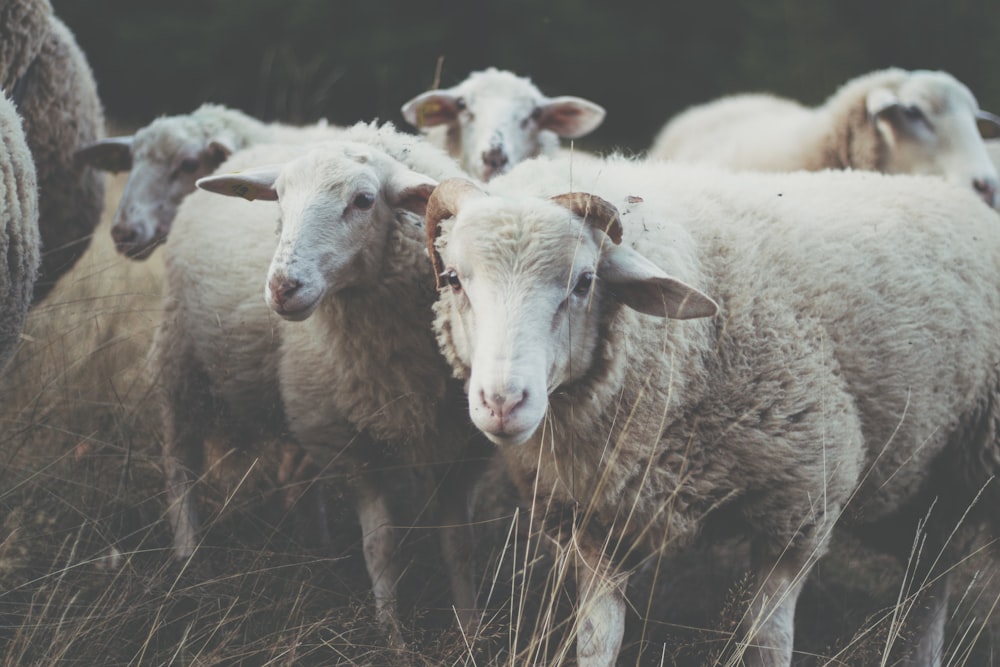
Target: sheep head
{"points": [[528, 285], [930, 123], [495, 120], [338, 202]]}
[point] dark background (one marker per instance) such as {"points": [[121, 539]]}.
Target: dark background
{"points": [[349, 60]]}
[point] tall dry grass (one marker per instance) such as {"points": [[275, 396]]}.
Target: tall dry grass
{"points": [[86, 575]]}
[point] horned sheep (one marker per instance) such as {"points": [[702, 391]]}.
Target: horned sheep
{"points": [[843, 370], [495, 119], [46, 75], [19, 221], [166, 157], [359, 382], [893, 120]]}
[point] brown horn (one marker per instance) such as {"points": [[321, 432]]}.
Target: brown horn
{"points": [[596, 212], [443, 203]]}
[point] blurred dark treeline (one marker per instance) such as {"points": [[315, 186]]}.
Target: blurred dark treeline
{"points": [[349, 60]]}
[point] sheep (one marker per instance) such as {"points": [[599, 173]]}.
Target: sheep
{"points": [[494, 119], [47, 76], [19, 221], [893, 120], [835, 363], [360, 382], [166, 157]]}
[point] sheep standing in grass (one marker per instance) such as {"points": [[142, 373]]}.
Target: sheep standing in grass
{"points": [[495, 119], [359, 382], [19, 222], [46, 75], [849, 373], [166, 157], [894, 121]]}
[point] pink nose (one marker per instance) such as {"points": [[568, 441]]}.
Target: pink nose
{"points": [[502, 405], [282, 289]]}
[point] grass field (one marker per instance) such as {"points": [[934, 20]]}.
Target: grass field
{"points": [[86, 575]]}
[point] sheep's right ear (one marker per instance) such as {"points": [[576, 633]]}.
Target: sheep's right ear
{"points": [[112, 154], [434, 107], [251, 184], [641, 285]]}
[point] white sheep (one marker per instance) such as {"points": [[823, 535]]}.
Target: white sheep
{"points": [[44, 72], [166, 157], [19, 223], [360, 382], [494, 119], [850, 375], [894, 121]]}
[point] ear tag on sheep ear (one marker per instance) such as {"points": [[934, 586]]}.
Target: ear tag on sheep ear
{"points": [[427, 109], [248, 185]]}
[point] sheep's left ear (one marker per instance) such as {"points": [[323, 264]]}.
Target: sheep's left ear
{"points": [[257, 183], [570, 117], [409, 190], [641, 285]]}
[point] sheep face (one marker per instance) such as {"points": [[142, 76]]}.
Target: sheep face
{"points": [[165, 159], [339, 204], [496, 119], [527, 290], [931, 124]]}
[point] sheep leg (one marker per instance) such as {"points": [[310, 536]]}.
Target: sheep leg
{"points": [[927, 619], [381, 560], [769, 625], [457, 544], [601, 613], [185, 412]]}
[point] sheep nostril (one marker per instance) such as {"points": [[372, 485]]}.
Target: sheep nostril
{"points": [[123, 235], [283, 289]]}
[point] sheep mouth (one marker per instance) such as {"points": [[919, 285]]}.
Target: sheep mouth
{"points": [[138, 251], [295, 311]]}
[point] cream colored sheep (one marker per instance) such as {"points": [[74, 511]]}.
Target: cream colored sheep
{"points": [[848, 375], [894, 121], [359, 382]]}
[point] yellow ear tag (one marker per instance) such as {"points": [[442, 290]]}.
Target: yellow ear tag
{"points": [[242, 190], [426, 109]]}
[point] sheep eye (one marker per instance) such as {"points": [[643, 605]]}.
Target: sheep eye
{"points": [[460, 104], [913, 113], [583, 284], [189, 165], [536, 113], [364, 201], [451, 277]]}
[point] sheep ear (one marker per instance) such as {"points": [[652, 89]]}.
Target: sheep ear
{"points": [[218, 151], [435, 107], [641, 285], [988, 124], [112, 154], [251, 184], [570, 117], [409, 190], [880, 101]]}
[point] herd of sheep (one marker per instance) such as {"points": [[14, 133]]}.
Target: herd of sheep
{"points": [[656, 348]]}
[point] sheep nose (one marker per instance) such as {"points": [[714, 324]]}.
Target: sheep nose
{"points": [[495, 158], [502, 405], [282, 289], [987, 189], [123, 235]]}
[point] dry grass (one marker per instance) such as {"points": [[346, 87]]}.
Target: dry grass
{"points": [[86, 577]]}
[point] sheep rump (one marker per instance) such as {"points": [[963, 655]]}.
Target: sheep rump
{"points": [[47, 75], [19, 222]]}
